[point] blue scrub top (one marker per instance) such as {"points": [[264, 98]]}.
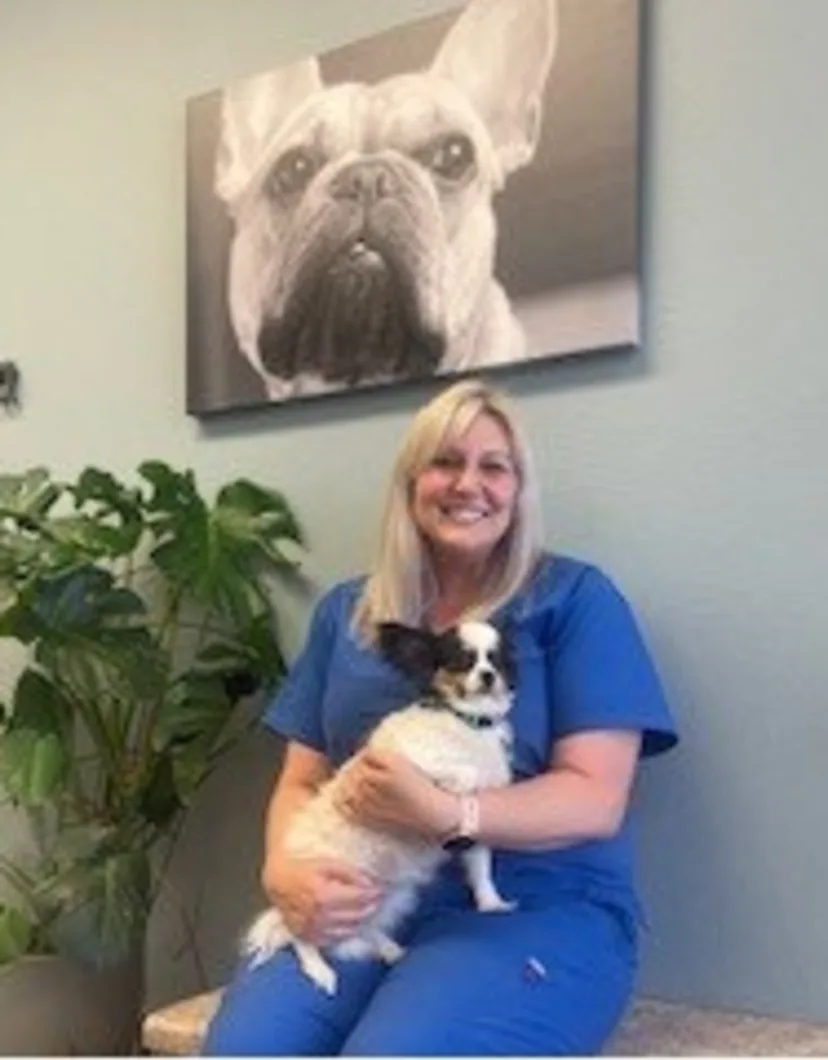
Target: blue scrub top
{"points": [[581, 664]]}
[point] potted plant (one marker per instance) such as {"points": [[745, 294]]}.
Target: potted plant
{"points": [[146, 615]]}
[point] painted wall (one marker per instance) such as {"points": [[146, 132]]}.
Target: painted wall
{"points": [[693, 470]]}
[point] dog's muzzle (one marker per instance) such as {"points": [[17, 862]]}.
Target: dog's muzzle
{"points": [[354, 311]]}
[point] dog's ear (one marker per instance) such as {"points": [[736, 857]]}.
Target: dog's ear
{"points": [[498, 53], [252, 110], [413, 651]]}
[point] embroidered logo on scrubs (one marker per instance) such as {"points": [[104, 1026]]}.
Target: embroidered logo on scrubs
{"points": [[534, 970]]}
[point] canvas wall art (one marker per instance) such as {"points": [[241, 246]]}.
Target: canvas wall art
{"points": [[457, 194]]}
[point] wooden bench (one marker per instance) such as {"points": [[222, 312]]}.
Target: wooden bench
{"points": [[652, 1028]]}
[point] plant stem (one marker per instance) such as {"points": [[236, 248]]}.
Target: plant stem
{"points": [[22, 883]]}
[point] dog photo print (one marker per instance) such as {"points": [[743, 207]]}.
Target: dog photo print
{"points": [[454, 194]]}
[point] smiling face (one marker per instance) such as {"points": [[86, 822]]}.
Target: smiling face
{"points": [[463, 501]]}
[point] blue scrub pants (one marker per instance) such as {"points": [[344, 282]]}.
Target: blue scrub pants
{"points": [[550, 981]]}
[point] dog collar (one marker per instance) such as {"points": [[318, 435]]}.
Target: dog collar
{"points": [[474, 721]]}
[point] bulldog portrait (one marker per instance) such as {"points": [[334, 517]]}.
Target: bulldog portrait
{"points": [[363, 229]]}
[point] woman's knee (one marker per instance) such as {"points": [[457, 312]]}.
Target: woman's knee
{"points": [[274, 1010], [253, 1020]]}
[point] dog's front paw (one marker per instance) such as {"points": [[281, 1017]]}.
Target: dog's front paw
{"points": [[388, 950]]}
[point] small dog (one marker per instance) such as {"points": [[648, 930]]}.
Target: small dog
{"points": [[364, 233], [458, 735]]}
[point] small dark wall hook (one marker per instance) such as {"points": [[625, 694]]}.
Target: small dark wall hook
{"points": [[9, 385]]}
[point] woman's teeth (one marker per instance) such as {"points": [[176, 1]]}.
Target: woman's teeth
{"points": [[463, 515]]}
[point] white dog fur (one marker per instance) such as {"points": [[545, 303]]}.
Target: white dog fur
{"points": [[364, 234], [461, 740]]}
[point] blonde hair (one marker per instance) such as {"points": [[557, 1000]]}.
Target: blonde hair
{"points": [[402, 583]]}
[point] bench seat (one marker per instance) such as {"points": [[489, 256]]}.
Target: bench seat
{"points": [[652, 1028]]}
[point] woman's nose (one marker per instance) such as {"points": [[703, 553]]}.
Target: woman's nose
{"points": [[467, 478]]}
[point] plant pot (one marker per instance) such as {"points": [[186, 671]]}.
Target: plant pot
{"points": [[52, 1006]]}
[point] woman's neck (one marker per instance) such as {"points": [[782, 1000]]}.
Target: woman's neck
{"points": [[458, 589]]}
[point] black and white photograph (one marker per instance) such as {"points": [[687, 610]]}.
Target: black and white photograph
{"points": [[456, 194]]}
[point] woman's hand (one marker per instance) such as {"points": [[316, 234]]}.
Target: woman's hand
{"points": [[386, 790], [322, 901]]}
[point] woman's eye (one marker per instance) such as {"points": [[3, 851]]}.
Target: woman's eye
{"points": [[445, 461], [293, 171], [451, 157]]}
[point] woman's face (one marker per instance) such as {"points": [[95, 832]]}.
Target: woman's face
{"points": [[464, 500]]}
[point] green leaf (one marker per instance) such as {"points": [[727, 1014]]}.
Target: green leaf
{"points": [[16, 932], [83, 599], [39, 704], [28, 497], [8, 596], [103, 907], [264, 513], [219, 555], [116, 523], [173, 492], [34, 749], [32, 767], [159, 802], [197, 706], [83, 618]]}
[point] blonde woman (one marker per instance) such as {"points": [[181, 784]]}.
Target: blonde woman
{"points": [[461, 537]]}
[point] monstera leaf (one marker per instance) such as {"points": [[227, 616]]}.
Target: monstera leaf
{"points": [[103, 907], [219, 553], [28, 498], [34, 748]]}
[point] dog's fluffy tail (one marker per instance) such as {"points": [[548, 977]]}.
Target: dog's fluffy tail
{"points": [[265, 937]]}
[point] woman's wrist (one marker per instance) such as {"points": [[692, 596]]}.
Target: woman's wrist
{"points": [[466, 821], [447, 815], [459, 817]]}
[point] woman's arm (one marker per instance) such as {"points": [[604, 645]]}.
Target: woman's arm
{"points": [[302, 773], [583, 795], [321, 899]]}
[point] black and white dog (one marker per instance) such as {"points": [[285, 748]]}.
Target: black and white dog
{"points": [[458, 735], [364, 231]]}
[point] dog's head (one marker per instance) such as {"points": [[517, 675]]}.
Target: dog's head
{"points": [[467, 666], [364, 233]]}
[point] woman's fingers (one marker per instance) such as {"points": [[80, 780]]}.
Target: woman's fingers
{"points": [[341, 875], [342, 921]]}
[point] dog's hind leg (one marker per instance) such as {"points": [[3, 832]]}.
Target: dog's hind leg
{"points": [[266, 936], [315, 967], [477, 862]]}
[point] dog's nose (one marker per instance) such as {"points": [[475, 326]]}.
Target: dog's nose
{"points": [[364, 181], [487, 679]]}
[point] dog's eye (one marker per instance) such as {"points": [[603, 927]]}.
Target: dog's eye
{"points": [[293, 171], [460, 660], [451, 157]]}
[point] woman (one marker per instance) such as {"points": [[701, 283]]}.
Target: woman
{"points": [[461, 537]]}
